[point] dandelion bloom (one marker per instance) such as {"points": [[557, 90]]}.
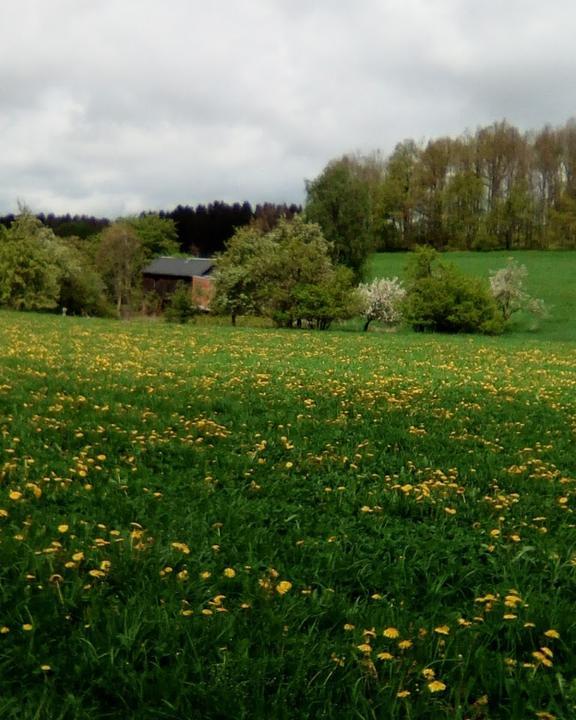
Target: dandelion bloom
{"points": [[405, 644], [385, 656], [554, 634], [283, 587], [62, 528], [402, 693], [229, 572], [436, 686], [182, 547], [27, 627], [391, 632], [365, 648], [428, 673], [442, 630]]}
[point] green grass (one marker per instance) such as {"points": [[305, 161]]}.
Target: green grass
{"points": [[551, 276], [159, 484]]}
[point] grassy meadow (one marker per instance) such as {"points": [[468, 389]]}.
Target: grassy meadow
{"points": [[207, 522]]}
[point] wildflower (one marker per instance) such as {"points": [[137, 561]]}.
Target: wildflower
{"points": [[182, 547], [27, 627], [45, 668], [15, 495], [428, 673], [436, 686], [442, 630], [63, 528], [4, 630], [349, 626], [365, 648], [283, 587], [554, 634], [385, 656], [3, 513], [402, 693], [391, 632], [182, 575], [78, 556], [229, 572], [205, 575], [405, 644]]}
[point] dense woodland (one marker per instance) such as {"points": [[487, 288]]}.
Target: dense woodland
{"points": [[202, 230], [497, 188]]}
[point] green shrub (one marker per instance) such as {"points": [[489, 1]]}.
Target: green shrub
{"points": [[181, 308], [441, 298]]}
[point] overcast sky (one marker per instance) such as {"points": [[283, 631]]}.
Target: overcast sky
{"points": [[111, 107]]}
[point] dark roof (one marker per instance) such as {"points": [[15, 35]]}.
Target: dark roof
{"points": [[179, 267]]}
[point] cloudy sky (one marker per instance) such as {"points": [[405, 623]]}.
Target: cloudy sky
{"points": [[110, 107]]}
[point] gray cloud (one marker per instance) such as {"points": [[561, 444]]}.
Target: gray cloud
{"points": [[124, 105]]}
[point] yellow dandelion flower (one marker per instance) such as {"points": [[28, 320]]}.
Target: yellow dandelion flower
{"points": [[205, 575], [391, 632], [63, 528], [405, 644], [3, 513], [283, 587], [385, 656], [554, 634], [97, 573], [365, 648], [428, 673], [45, 668], [229, 572], [509, 616], [27, 627], [182, 575], [15, 495], [4, 630], [181, 547], [78, 556], [349, 626], [402, 693], [206, 611], [436, 686], [442, 630]]}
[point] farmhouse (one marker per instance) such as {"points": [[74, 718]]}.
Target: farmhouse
{"points": [[164, 273]]}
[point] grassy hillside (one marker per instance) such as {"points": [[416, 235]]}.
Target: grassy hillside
{"points": [[551, 276], [217, 523]]}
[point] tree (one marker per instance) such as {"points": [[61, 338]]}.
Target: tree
{"points": [[29, 273], [381, 300], [440, 298], [238, 279], [157, 235], [120, 257], [339, 200], [507, 287], [285, 274]]}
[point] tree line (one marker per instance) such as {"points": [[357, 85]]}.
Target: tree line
{"points": [[497, 188], [202, 230]]}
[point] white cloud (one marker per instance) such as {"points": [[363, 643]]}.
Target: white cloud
{"points": [[120, 105]]}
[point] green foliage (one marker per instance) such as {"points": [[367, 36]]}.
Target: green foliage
{"points": [[29, 274], [181, 308], [240, 274], [340, 201], [157, 235], [120, 257], [285, 274], [440, 298]]}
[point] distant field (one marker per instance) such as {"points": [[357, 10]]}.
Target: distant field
{"points": [[207, 522], [551, 276]]}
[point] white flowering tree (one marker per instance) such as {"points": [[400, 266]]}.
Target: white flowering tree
{"points": [[381, 300], [507, 287]]}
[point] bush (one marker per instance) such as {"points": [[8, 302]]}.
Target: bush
{"points": [[181, 308], [440, 298]]}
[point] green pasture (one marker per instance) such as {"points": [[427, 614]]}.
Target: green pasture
{"points": [[207, 522]]}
